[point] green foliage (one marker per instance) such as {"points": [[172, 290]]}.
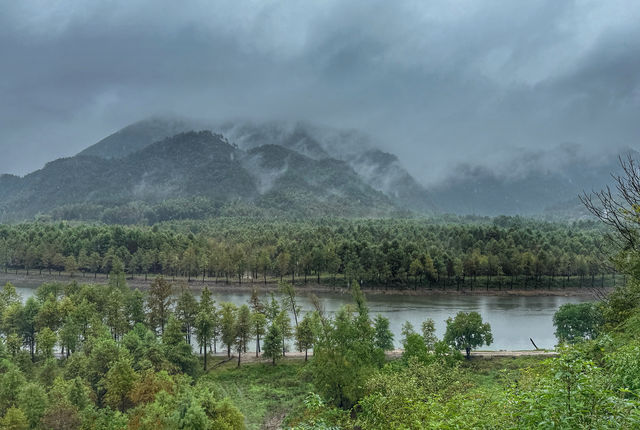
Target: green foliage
{"points": [[467, 331], [14, 419], [228, 325], [159, 302], [346, 355], [242, 329], [429, 333], [45, 341], [452, 252], [623, 366], [575, 322], [307, 333], [283, 321], [320, 416], [383, 336], [272, 346], [415, 349], [264, 393], [571, 392], [118, 383], [410, 397], [177, 351], [406, 331], [258, 327], [622, 304], [11, 382], [33, 401]]}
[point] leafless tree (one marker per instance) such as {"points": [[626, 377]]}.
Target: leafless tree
{"points": [[619, 207]]}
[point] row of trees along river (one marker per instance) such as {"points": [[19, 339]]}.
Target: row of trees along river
{"points": [[504, 252]]}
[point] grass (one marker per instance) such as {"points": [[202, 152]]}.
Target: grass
{"points": [[266, 394], [498, 371], [263, 393]]}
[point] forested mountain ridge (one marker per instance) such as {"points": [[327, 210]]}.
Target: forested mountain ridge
{"points": [[532, 183], [194, 165], [380, 170], [137, 136], [146, 173]]}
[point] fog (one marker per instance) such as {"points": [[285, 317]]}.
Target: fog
{"points": [[437, 83]]}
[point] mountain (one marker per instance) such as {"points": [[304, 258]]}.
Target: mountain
{"points": [[543, 183], [159, 169], [137, 136], [378, 169], [192, 172], [287, 179]]}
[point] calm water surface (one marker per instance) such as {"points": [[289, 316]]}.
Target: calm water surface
{"points": [[513, 319]]}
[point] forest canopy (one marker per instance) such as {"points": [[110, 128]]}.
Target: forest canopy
{"points": [[453, 253]]}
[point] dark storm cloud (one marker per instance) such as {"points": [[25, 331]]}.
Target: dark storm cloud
{"points": [[436, 82]]}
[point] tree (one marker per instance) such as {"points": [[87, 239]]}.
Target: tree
{"points": [[33, 400], [242, 329], [284, 324], [14, 419], [61, 416], [416, 348], [345, 355], [305, 334], [429, 334], [204, 322], [134, 307], [254, 301], [259, 325], [289, 299], [228, 325], [272, 345], [620, 209], [575, 322], [407, 329], [159, 302], [115, 312], [118, 383], [467, 331], [177, 350], [383, 337], [27, 324], [70, 265], [186, 311], [45, 341], [11, 382]]}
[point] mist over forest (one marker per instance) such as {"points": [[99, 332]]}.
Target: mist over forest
{"points": [[347, 214]]}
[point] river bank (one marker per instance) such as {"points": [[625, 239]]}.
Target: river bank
{"points": [[33, 280], [249, 357]]}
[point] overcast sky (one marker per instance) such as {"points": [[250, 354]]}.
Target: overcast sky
{"points": [[436, 81]]}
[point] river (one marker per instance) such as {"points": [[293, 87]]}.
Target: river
{"points": [[513, 319]]}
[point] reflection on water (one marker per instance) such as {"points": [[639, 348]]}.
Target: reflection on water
{"points": [[513, 319]]}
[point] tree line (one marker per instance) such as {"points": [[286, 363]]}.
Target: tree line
{"points": [[502, 252], [107, 356]]}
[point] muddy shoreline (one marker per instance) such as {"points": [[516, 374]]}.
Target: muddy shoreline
{"points": [[35, 279]]}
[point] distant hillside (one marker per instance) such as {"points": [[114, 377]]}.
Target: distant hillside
{"points": [[380, 170], [201, 170], [546, 185], [137, 136], [159, 169]]}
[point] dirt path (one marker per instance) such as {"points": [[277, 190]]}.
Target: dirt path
{"points": [[250, 357]]}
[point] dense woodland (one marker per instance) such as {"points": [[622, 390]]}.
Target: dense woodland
{"points": [[77, 356], [449, 253], [90, 356]]}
